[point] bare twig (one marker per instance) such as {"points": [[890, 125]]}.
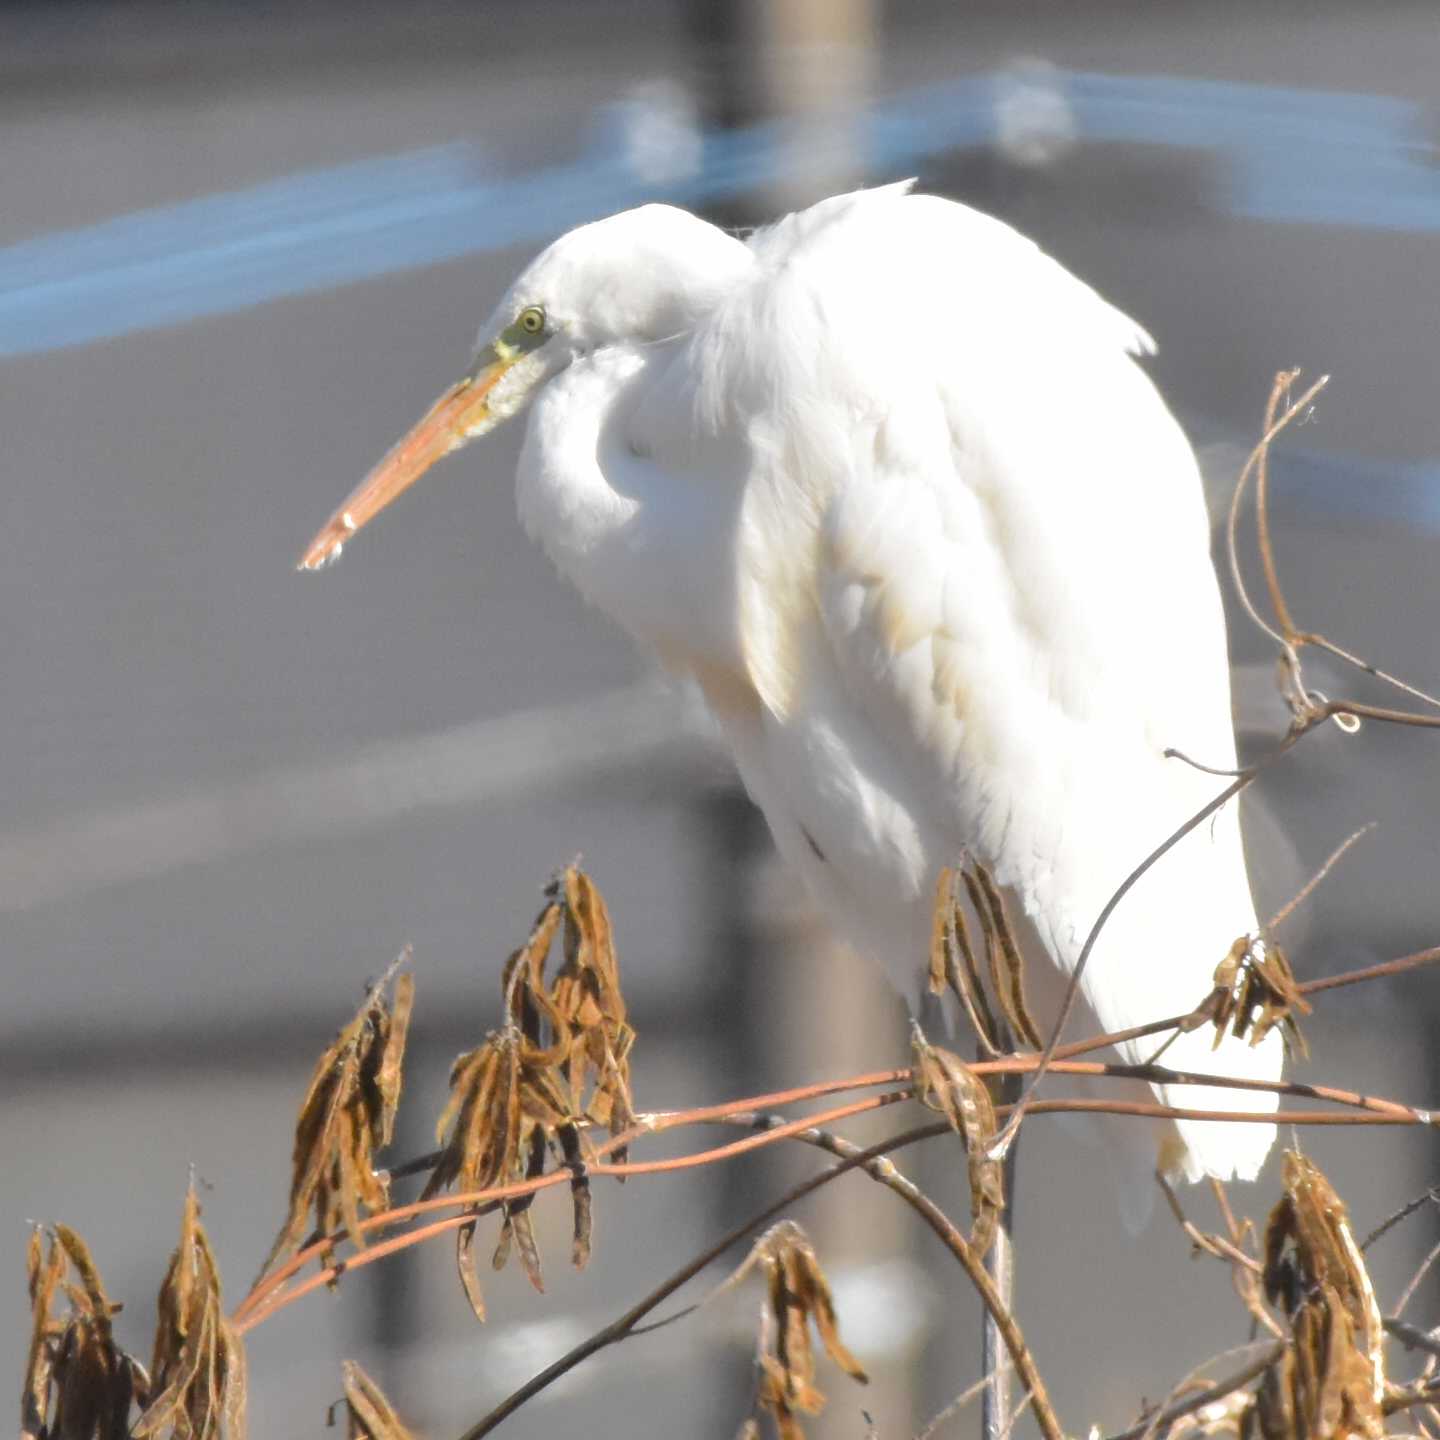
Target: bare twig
{"points": [[1411, 1336], [1272, 428], [1308, 888], [1201, 1398], [1340, 653], [1429, 1197], [851, 1157], [271, 1296], [1421, 1271], [1381, 971], [964, 1398]]}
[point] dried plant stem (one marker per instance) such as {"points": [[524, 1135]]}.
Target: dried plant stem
{"points": [[1201, 1398], [265, 1298], [1308, 888], [1428, 1197], [263, 1303], [873, 1160], [245, 1312], [1412, 1337], [271, 1294], [997, 1416], [964, 1398], [1422, 1270], [1215, 1245], [1257, 463], [1380, 971]]}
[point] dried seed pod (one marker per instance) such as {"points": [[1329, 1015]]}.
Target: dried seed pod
{"points": [[1255, 990], [368, 1414], [952, 960], [944, 1083], [78, 1385], [199, 1364], [1331, 1380], [347, 1115], [797, 1296], [1007, 970], [561, 1059]]}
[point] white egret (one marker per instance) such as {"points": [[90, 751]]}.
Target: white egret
{"points": [[888, 483]]}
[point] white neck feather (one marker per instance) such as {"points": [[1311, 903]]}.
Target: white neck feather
{"points": [[614, 523]]}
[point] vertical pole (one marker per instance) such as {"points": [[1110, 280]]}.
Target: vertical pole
{"points": [[1000, 1262]]}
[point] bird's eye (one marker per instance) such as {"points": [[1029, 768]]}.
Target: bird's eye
{"points": [[532, 320]]}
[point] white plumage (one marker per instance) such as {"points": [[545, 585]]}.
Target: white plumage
{"points": [[888, 483]]}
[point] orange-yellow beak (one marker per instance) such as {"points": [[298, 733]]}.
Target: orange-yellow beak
{"points": [[458, 416]]}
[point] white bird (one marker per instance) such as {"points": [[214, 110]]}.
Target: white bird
{"points": [[887, 482]]}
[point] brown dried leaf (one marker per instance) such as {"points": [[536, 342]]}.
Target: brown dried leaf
{"points": [[1255, 990], [348, 1113], [1006, 966], [570, 1142], [95, 1300], [82, 1384], [561, 1058], [952, 960], [469, 1274], [369, 1415], [1332, 1379], [482, 1116], [43, 1276], [79, 1385], [199, 1368], [588, 997], [798, 1295], [390, 1060], [944, 1083], [519, 1224]]}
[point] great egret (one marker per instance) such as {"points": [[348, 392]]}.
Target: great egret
{"points": [[888, 483]]}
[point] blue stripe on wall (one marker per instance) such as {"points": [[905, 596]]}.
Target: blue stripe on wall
{"points": [[1309, 157]]}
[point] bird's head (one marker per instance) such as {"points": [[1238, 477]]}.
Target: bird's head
{"points": [[641, 276]]}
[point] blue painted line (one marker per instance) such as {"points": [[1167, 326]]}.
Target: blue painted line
{"points": [[1297, 156]]}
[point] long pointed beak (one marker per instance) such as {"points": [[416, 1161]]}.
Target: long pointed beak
{"points": [[458, 416]]}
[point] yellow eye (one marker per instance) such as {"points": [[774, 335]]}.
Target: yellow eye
{"points": [[532, 320]]}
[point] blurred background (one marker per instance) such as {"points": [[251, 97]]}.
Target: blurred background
{"points": [[241, 246]]}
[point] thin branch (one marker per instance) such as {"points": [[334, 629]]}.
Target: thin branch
{"points": [[964, 1398], [1273, 427], [1412, 1337], [1373, 972], [1214, 1245], [1308, 888], [1262, 501], [265, 1301], [1218, 771], [873, 1160], [1416, 1278], [1340, 653], [1198, 1401], [1430, 1196], [262, 1310]]}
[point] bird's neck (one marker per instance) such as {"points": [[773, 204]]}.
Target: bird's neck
{"points": [[642, 544]]}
